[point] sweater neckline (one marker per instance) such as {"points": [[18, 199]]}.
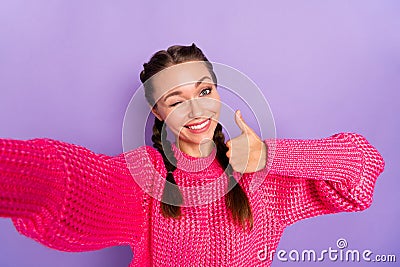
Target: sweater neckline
{"points": [[189, 163]]}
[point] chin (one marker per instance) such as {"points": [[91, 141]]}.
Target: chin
{"points": [[199, 139]]}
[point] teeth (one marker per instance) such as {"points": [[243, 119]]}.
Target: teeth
{"points": [[197, 127]]}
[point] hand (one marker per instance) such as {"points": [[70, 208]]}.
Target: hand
{"points": [[247, 152]]}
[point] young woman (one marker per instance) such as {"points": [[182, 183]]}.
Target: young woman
{"points": [[69, 198]]}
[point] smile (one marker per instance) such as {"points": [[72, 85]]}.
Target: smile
{"points": [[199, 127]]}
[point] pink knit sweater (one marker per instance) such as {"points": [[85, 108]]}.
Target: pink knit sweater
{"points": [[69, 198]]}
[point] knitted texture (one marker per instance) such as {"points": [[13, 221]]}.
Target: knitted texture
{"points": [[71, 199]]}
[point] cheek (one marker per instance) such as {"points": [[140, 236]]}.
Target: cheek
{"points": [[211, 104], [215, 107], [175, 120]]}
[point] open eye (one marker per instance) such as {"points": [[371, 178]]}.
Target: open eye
{"points": [[206, 91]]}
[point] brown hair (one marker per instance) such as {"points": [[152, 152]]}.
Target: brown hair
{"points": [[236, 199]]}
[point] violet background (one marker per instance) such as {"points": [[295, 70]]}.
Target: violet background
{"points": [[69, 68]]}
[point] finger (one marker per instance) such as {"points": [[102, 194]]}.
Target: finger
{"points": [[229, 153], [241, 123], [228, 144]]}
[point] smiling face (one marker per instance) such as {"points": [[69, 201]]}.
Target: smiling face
{"points": [[188, 101]]}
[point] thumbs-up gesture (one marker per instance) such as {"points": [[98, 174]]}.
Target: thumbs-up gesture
{"points": [[247, 152]]}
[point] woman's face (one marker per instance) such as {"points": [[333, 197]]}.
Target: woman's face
{"points": [[188, 101]]}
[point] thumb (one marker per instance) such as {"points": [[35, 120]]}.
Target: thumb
{"points": [[240, 122]]}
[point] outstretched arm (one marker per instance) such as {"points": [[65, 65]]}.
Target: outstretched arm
{"points": [[312, 177], [67, 197]]}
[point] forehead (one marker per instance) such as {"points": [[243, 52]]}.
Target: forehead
{"points": [[176, 76]]}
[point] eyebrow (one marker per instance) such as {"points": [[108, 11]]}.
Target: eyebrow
{"points": [[180, 92]]}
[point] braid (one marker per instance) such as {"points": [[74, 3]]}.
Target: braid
{"points": [[236, 199], [172, 197]]}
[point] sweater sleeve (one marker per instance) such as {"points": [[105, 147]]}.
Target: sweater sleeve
{"points": [[307, 178], [67, 197]]}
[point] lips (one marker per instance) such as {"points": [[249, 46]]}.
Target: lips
{"points": [[199, 125]]}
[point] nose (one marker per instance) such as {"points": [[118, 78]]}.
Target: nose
{"points": [[195, 109]]}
